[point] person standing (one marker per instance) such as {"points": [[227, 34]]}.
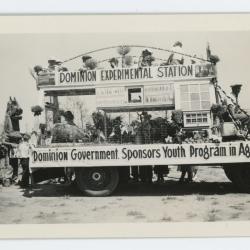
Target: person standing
{"points": [[24, 153], [176, 56]]}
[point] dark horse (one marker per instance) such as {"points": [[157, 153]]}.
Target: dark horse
{"points": [[12, 117], [12, 131]]}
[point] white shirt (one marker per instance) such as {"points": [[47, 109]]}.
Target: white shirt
{"points": [[24, 150]]}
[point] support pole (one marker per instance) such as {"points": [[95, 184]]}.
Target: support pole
{"points": [[105, 126]]}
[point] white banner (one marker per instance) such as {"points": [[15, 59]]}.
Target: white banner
{"points": [[132, 74], [148, 154]]}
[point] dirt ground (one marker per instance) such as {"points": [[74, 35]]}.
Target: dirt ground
{"points": [[211, 198]]}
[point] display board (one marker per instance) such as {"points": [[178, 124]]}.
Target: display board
{"points": [[134, 74], [148, 154]]}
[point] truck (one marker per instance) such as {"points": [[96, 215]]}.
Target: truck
{"points": [[186, 94]]}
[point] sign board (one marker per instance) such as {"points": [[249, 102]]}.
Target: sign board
{"points": [[159, 94], [148, 154], [110, 96], [154, 73], [119, 96]]}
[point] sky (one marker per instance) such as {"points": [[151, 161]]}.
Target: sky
{"points": [[20, 52]]}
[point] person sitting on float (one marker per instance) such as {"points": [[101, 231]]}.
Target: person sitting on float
{"points": [[113, 62], [53, 63], [176, 56], [146, 59]]}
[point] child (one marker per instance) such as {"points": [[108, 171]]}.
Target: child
{"points": [[24, 153]]}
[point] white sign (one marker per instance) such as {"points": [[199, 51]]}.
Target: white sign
{"points": [[159, 94], [148, 154], [132, 74], [110, 96], [153, 94]]}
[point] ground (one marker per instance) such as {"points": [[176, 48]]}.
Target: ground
{"points": [[211, 198]]}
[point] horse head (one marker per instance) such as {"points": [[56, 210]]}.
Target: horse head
{"points": [[13, 109], [13, 115]]}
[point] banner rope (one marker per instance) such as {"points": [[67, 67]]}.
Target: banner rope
{"points": [[136, 46]]}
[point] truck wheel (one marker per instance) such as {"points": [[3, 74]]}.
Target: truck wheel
{"points": [[240, 176], [97, 181]]}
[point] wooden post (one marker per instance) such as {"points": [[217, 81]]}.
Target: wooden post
{"points": [[105, 126], [216, 96]]}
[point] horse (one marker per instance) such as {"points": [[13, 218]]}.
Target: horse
{"points": [[11, 131], [12, 116]]}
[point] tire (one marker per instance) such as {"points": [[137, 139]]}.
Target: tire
{"points": [[97, 181], [239, 175]]}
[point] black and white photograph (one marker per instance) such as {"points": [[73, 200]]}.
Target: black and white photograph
{"points": [[125, 127]]}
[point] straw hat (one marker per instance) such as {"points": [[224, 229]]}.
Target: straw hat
{"points": [[52, 59], [177, 43], [85, 58]]}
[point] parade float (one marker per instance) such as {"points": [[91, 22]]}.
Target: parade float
{"points": [[176, 114]]}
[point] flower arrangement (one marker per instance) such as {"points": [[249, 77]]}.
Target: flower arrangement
{"points": [[37, 110]]}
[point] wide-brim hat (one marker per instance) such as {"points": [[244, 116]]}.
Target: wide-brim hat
{"points": [[147, 52], [58, 62], [68, 115], [85, 58], [52, 59], [177, 43], [26, 137], [114, 60]]}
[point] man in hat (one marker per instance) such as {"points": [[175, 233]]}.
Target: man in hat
{"points": [[114, 62], [146, 59], [53, 62], [85, 59], [69, 118], [176, 56]]}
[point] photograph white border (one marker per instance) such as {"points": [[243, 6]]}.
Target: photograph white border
{"points": [[141, 23]]}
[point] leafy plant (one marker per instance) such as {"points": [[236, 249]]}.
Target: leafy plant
{"points": [[37, 110], [123, 51], [214, 59], [177, 116], [218, 110], [38, 68], [112, 125]]}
